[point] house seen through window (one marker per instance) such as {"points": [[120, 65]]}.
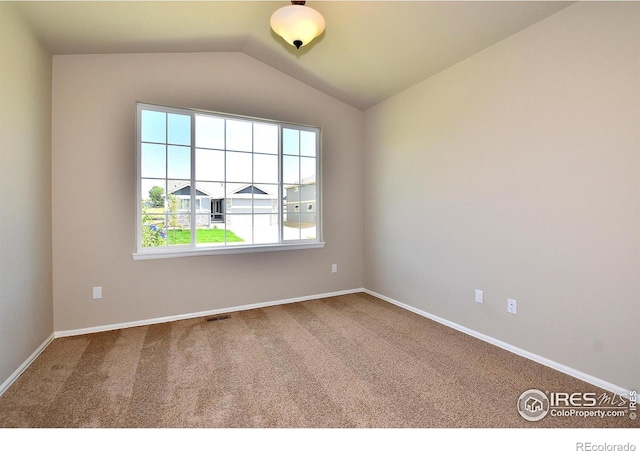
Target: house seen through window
{"points": [[215, 181]]}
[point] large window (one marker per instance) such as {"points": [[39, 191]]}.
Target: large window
{"points": [[218, 183]]}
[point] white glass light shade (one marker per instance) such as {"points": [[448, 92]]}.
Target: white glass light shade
{"points": [[297, 24]]}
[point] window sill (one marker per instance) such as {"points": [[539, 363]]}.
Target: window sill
{"points": [[178, 253]]}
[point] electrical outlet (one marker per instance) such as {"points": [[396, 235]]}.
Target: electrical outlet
{"points": [[512, 306], [479, 296], [334, 268], [97, 292]]}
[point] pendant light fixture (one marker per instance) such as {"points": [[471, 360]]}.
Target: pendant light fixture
{"points": [[297, 24]]}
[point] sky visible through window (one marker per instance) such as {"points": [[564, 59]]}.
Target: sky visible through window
{"points": [[210, 133]]}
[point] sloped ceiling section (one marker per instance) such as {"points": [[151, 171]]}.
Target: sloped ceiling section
{"points": [[370, 50]]}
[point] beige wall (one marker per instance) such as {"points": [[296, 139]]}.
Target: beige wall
{"points": [[94, 188], [517, 172], [26, 314]]}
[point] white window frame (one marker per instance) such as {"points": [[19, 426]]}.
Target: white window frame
{"points": [[192, 249]]}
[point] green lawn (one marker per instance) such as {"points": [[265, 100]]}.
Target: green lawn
{"points": [[203, 236]]}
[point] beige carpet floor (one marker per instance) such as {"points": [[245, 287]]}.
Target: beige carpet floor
{"points": [[350, 361]]}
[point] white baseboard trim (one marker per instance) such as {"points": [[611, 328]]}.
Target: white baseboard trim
{"points": [[506, 346], [166, 319], [16, 374]]}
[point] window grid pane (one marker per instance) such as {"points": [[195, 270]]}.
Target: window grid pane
{"points": [[225, 181]]}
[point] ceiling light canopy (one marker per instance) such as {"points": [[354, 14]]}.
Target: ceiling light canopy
{"points": [[297, 24]]}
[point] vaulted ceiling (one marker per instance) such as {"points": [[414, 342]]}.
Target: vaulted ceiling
{"points": [[370, 50]]}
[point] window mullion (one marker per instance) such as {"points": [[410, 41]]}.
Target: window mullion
{"points": [[224, 199], [280, 186], [166, 178], [253, 178], [192, 181], [300, 209]]}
